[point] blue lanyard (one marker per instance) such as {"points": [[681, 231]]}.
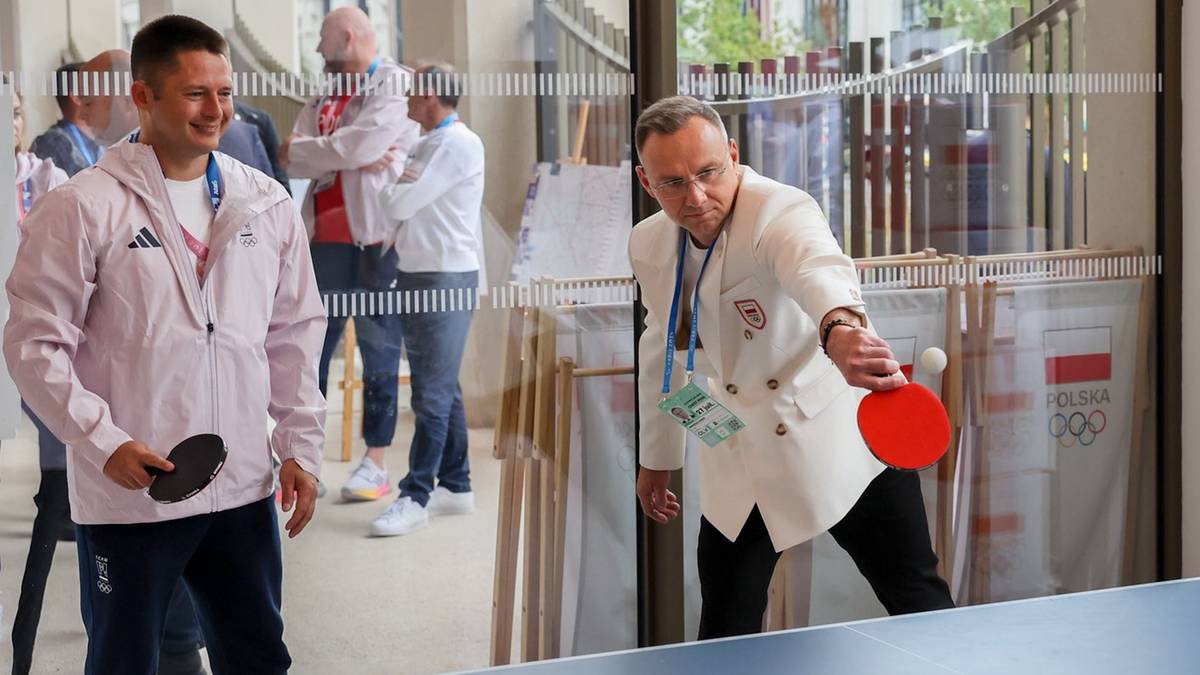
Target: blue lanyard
{"points": [[26, 196], [81, 144], [671, 323], [212, 176], [451, 119], [373, 66]]}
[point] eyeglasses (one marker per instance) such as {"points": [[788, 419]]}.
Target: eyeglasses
{"points": [[678, 188]]}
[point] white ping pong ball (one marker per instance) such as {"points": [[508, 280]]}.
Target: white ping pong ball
{"points": [[933, 360]]}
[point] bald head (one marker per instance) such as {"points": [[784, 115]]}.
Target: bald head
{"points": [[347, 41], [109, 116], [113, 60]]}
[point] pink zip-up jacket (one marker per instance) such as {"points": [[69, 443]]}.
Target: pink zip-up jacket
{"points": [[112, 337]]}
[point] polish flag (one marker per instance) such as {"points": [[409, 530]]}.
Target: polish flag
{"points": [[1078, 355], [905, 350]]}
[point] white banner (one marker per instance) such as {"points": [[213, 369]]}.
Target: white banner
{"points": [[600, 550], [1060, 412]]}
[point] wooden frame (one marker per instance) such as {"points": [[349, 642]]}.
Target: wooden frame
{"points": [[536, 406]]}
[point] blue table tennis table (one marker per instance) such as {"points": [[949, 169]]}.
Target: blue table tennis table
{"points": [[1153, 628]]}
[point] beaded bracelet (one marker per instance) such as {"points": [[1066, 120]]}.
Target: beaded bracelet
{"points": [[828, 328]]}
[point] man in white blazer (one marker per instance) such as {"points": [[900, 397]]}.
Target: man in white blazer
{"points": [[784, 341]]}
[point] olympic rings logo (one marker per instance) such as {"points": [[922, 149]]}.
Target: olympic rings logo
{"points": [[1078, 428], [249, 241]]}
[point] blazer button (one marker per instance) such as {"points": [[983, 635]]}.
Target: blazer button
{"points": [[780, 430], [772, 384], [731, 388], [747, 334]]}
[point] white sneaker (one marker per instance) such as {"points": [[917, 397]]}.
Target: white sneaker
{"points": [[402, 517], [446, 503], [367, 483]]}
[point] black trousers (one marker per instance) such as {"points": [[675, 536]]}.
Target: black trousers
{"points": [[53, 513], [886, 534], [181, 633], [231, 563]]}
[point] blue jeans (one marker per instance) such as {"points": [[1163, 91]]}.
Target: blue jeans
{"points": [[434, 342], [346, 267]]}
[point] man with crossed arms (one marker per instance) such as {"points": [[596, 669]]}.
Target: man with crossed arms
{"points": [[783, 339]]}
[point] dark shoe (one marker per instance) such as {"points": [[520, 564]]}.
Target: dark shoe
{"points": [[180, 663]]}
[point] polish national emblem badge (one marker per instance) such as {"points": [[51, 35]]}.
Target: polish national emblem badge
{"points": [[752, 313]]}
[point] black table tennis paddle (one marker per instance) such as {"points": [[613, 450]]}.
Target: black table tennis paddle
{"points": [[197, 459]]}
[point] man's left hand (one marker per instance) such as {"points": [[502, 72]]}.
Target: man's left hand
{"points": [[297, 487]]}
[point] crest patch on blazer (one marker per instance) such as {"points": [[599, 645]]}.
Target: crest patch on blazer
{"points": [[752, 313]]}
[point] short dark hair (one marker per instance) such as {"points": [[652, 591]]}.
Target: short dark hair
{"points": [[444, 93], [668, 115], [63, 77], [156, 45]]}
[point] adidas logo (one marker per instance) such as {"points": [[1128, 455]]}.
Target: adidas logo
{"points": [[144, 239]]}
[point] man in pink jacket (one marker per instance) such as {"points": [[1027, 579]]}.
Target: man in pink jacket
{"points": [[164, 293]]}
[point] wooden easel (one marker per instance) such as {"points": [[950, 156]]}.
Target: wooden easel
{"points": [[577, 157], [533, 437]]}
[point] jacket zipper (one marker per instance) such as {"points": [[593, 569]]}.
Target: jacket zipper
{"points": [[211, 330]]}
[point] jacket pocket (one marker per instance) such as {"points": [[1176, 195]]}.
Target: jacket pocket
{"points": [[815, 397], [743, 290]]}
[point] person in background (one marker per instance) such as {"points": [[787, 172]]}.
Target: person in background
{"points": [[434, 208], [341, 142], [242, 142], [35, 177], [111, 116], [68, 141], [262, 122]]}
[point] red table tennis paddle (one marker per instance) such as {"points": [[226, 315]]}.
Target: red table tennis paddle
{"points": [[197, 459], [905, 428]]}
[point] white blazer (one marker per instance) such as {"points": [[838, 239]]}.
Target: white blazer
{"points": [[775, 273]]}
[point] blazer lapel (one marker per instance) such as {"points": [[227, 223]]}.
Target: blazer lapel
{"points": [[710, 304]]}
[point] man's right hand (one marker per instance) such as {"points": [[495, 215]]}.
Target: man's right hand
{"points": [[658, 503], [865, 360], [127, 466]]}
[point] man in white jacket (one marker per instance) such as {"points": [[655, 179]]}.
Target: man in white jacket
{"points": [[351, 144], [164, 293], [742, 275]]}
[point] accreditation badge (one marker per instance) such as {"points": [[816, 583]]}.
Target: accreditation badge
{"points": [[701, 415]]}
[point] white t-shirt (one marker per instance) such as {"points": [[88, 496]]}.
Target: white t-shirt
{"points": [[193, 208]]}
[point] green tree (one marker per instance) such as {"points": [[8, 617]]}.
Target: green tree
{"points": [[717, 31], [980, 21]]}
